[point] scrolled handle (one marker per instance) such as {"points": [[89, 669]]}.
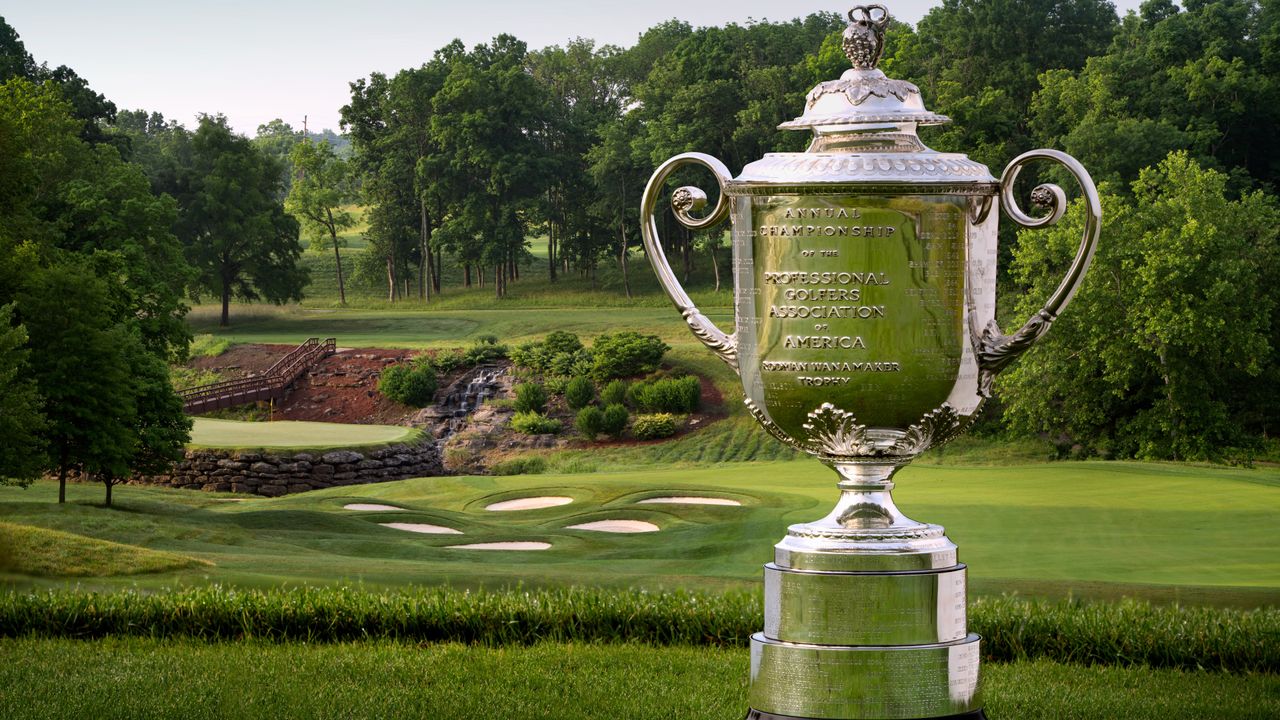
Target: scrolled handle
{"points": [[684, 201], [996, 350]]}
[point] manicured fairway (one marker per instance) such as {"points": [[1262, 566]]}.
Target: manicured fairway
{"points": [[147, 678], [288, 434], [1164, 532], [410, 326]]}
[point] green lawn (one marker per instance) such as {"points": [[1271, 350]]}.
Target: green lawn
{"points": [[1100, 530], [143, 678], [294, 435], [414, 327]]}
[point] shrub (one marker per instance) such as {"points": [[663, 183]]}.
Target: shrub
{"points": [[682, 395], [615, 393], [590, 422], [625, 354], [555, 384], [654, 427], [534, 465], [411, 384], [614, 420], [579, 392], [530, 398], [558, 353], [485, 349], [446, 361], [532, 423]]}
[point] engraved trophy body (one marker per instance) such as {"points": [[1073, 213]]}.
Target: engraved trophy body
{"points": [[865, 333]]}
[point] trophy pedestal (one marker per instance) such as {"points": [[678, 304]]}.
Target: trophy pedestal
{"points": [[865, 617]]}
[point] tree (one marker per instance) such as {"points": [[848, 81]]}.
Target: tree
{"points": [[486, 120], [22, 423], [323, 186], [61, 195], [159, 429], [79, 367], [1204, 80], [237, 235], [1168, 349]]}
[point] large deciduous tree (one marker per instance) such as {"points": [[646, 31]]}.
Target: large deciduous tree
{"points": [[236, 233], [1168, 349], [321, 189]]}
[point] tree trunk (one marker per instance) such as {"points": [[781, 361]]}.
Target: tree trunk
{"points": [[551, 236], [622, 257], [337, 257], [424, 292], [62, 475], [391, 280], [715, 266], [226, 303], [466, 274], [109, 483], [497, 279]]}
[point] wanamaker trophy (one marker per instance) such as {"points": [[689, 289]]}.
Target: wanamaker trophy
{"points": [[864, 334]]}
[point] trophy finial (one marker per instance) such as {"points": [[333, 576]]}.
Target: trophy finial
{"points": [[864, 38]]}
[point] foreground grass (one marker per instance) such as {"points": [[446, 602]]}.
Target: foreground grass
{"points": [[140, 678], [1093, 529], [295, 435], [1126, 633]]}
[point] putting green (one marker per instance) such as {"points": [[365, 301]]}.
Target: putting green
{"points": [[292, 435]]}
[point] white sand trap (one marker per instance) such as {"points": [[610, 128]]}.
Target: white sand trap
{"points": [[529, 503], [423, 528], [690, 500], [523, 545], [617, 526], [372, 507]]}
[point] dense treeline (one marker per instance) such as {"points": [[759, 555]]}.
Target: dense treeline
{"points": [[1168, 352]]}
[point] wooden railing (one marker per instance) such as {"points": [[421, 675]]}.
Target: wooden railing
{"points": [[270, 385]]}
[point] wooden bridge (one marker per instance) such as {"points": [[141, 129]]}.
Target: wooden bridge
{"points": [[270, 385]]}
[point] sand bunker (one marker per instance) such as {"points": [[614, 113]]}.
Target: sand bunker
{"points": [[617, 526], [523, 545], [372, 507], [423, 528], [691, 500], [529, 503]]}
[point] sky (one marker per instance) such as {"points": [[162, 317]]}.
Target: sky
{"points": [[258, 60]]}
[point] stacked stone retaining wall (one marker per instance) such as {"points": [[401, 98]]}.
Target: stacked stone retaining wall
{"points": [[281, 472]]}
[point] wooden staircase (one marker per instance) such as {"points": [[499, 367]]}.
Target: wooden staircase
{"points": [[270, 385]]}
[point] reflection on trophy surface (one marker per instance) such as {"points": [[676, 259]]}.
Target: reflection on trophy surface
{"points": [[865, 333]]}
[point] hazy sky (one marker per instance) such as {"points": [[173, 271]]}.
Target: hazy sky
{"points": [[254, 61]]}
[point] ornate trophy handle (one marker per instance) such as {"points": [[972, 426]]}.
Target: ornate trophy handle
{"points": [[684, 200], [995, 349]]}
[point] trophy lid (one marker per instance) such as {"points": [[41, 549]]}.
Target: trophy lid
{"points": [[863, 95], [864, 129]]}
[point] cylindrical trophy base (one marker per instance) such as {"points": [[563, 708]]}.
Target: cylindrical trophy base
{"points": [[754, 714], [867, 682]]}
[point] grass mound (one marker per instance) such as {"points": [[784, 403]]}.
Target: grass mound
{"points": [[28, 550], [1126, 633], [295, 435]]}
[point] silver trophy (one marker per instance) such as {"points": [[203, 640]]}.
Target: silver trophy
{"points": [[864, 334]]}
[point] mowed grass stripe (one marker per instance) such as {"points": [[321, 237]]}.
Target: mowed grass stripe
{"points": [[148, 678]]}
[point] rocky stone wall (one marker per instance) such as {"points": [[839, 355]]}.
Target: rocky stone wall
{"points": [[281, 473]]}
